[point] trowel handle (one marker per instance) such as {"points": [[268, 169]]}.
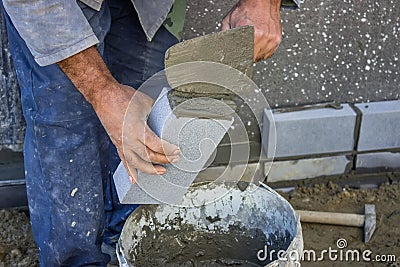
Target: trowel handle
{"points": [[345, 219]]}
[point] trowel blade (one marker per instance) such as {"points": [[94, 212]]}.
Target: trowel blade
{"points": [[231, 47]]}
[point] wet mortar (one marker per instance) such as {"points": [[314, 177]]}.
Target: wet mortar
{"points": [[177, 242], [188, 247]]}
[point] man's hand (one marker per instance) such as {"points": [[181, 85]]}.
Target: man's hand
{"points": [[265, 16], [137, 146]]}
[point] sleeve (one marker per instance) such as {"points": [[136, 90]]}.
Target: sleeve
{"points": [[52, 29], [291, 4]]}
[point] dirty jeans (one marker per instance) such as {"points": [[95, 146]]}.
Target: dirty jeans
{"points": [[69, 158]]}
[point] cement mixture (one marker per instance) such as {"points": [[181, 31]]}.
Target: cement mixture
{"points": [[175, 248], [237, 222], [18, 249]]}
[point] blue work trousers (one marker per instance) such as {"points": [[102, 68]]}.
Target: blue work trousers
{"points": [[69, 158]]}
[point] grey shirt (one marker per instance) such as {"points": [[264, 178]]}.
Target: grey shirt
{"points": [[57, 29]]}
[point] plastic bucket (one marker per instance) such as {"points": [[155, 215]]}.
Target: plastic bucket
{"points": [[217, 225]]}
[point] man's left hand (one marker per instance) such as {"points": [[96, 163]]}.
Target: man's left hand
{"points": [[265, 16]]}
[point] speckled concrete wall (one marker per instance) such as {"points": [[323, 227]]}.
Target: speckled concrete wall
{"points": [[332, 50]]}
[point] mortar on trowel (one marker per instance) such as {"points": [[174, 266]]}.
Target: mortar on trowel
{"points": [[218, 224]]}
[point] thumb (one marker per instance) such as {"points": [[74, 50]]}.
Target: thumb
{"points": [[131, 171], [225, 23], [132, 175]]}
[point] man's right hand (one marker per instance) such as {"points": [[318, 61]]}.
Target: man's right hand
{"points": [[137, 145]]}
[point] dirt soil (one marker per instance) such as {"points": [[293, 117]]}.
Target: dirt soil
{"points": [[18, 249], [330, 197]]}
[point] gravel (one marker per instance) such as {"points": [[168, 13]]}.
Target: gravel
{"points": [[17, 248]]}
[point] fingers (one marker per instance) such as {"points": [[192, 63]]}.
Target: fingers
{"points": [[266, 43], [227, 21], [134, 161], [263, 53], [156, 144], [149, 155], [159, 158], [267, 25], [142, 150]]}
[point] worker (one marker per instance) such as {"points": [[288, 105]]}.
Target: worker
{"points": [[78, 64]]}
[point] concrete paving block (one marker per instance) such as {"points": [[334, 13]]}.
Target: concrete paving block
{"points": [[308, 132], [197, 139], [306, 168], [376, 162], [380, 127]]}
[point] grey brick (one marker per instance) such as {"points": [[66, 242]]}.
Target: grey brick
{"points": [[308, 132], [305, 168], [380, 125], [197, 139], [382, 161]]}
